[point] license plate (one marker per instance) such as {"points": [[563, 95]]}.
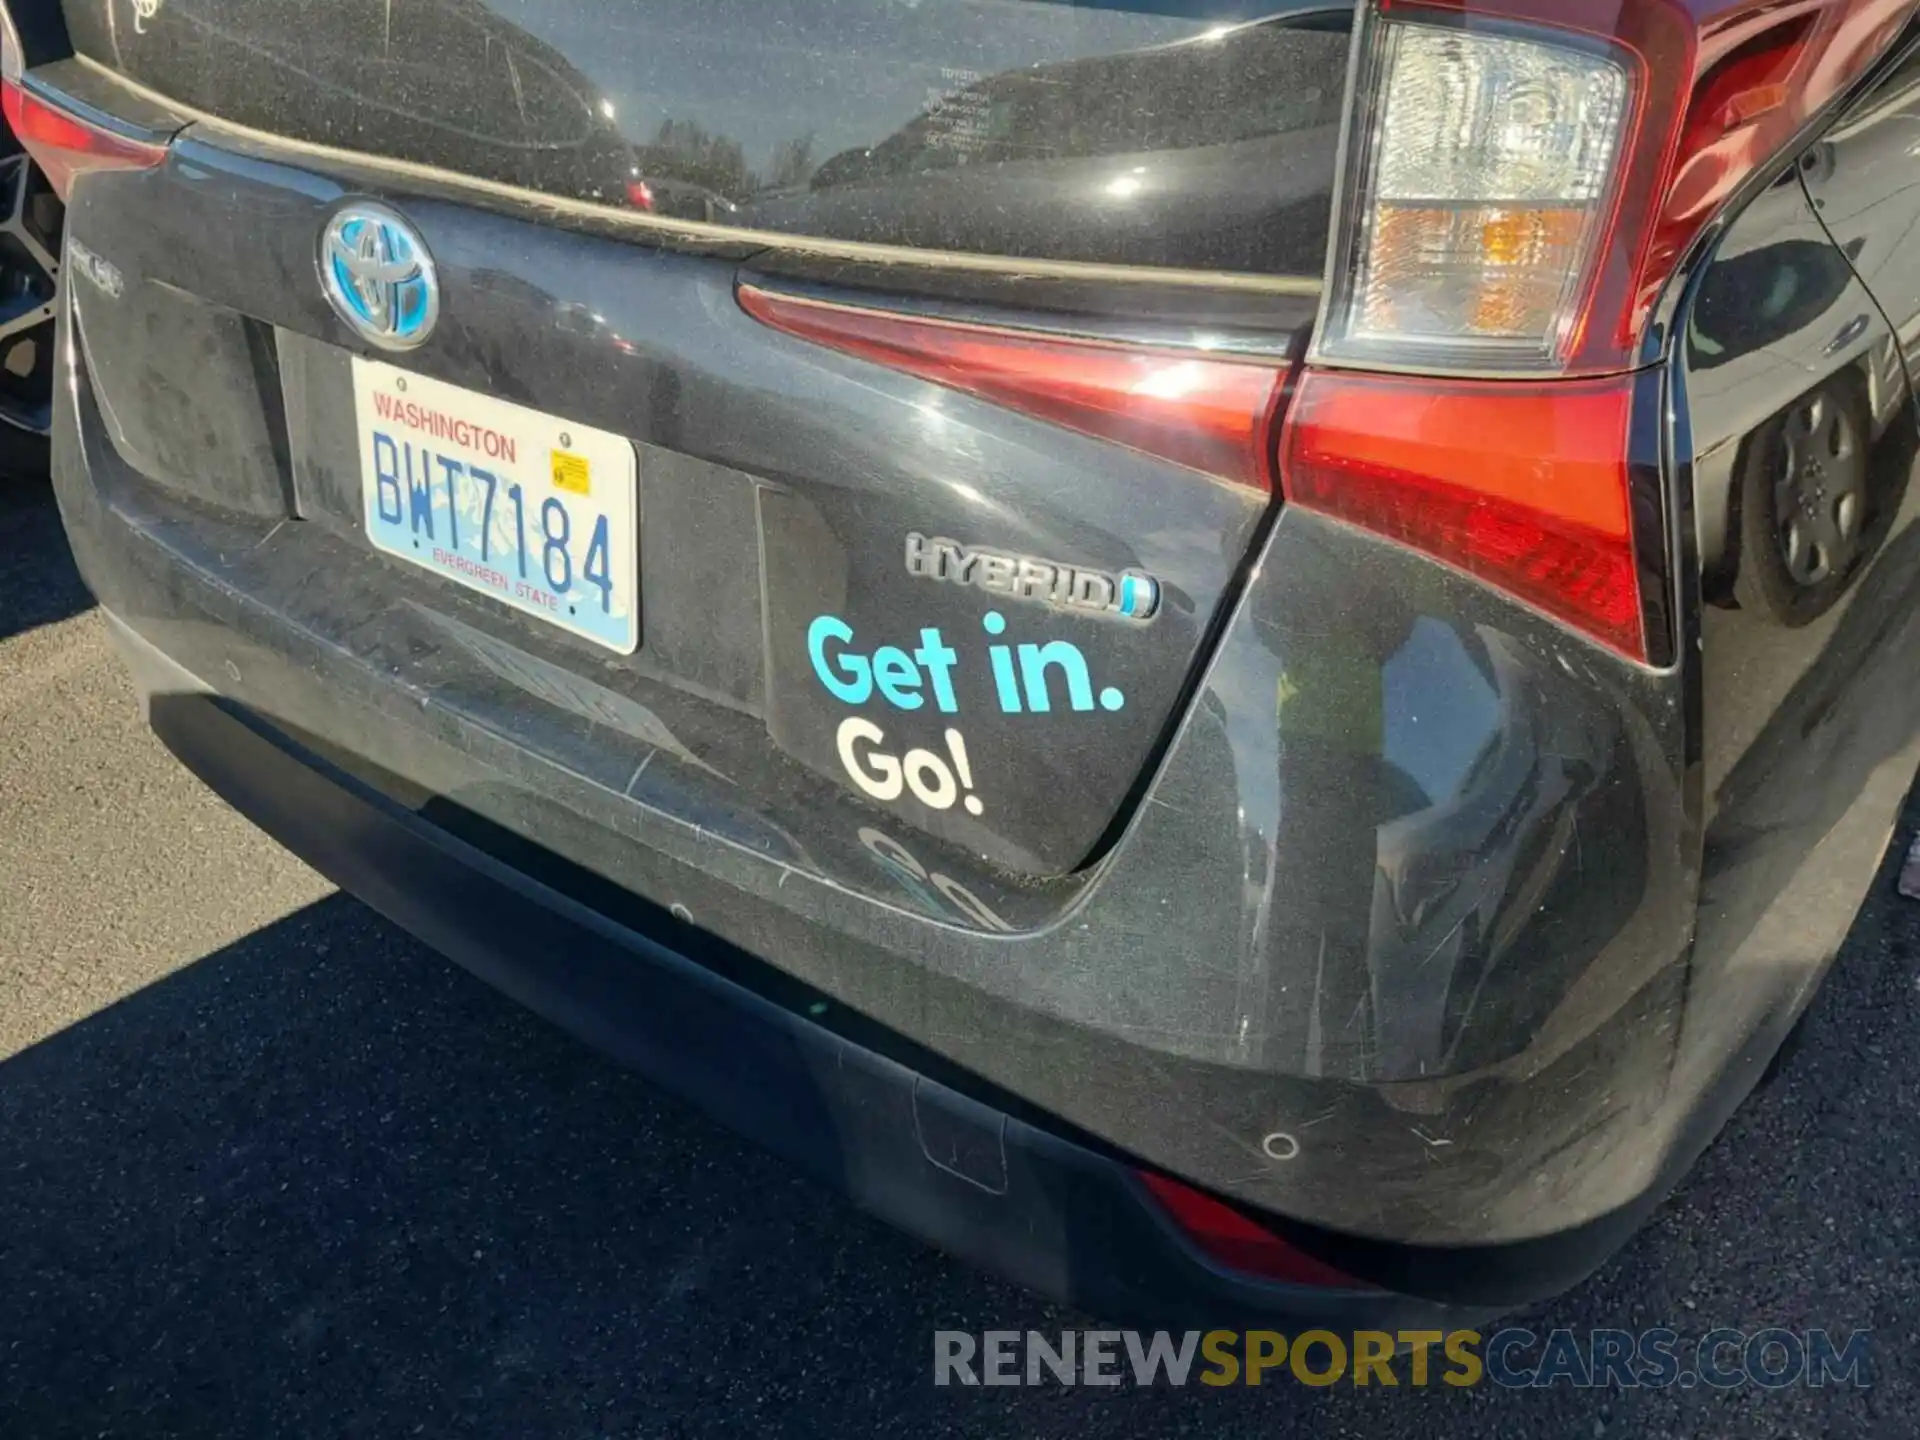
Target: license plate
{"points": [[536, 511]]}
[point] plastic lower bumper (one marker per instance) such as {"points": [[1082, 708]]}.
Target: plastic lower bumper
{"points": [[986, 1185]]}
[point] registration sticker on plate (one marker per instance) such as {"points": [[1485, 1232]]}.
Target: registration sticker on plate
{"points": [[536, 511]]}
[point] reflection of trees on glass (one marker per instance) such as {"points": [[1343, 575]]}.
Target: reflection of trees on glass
{"points": [[693, 173], [1215, 153], [685, 150], [1249, 84], [493, 100], [1258, 81], [793, 163]]}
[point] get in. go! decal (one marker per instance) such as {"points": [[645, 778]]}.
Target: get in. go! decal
{"points": [[1027, 679]]}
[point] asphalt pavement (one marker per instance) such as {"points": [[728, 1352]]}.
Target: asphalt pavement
{"points": [[268, 1167]]}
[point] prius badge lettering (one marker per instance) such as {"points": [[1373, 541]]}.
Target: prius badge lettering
{"points": [[1130, 595], [379, 276]]}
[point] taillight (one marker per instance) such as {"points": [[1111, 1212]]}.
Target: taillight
{"points": [[1197, 409], [62, 143], [1236, 1243], [1522, 179]]}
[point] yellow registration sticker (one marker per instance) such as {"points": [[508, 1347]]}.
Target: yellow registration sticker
{"points": [[572, 472]]}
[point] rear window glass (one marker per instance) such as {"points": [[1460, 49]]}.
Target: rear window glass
{"points": [[1144, 134]]}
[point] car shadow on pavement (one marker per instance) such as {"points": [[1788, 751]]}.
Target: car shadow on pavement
{"points": [[38, 582], [323, 1182]]}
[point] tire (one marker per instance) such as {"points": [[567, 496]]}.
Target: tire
{"points": [[1805, 506], [24, 455]]}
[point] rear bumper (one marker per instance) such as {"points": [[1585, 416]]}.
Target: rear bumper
{"points": [[1392, 946], [988, 1186]]}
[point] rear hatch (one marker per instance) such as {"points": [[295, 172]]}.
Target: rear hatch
{"points": [[817, 538]]}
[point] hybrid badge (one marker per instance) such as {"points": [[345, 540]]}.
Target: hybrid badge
{"points": [[1130, 594]]}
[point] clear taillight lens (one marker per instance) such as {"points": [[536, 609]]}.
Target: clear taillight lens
{"points": [[1478, 194]]}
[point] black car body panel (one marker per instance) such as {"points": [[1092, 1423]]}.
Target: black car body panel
{"points": [[767, 466], [1386, 905], [1809, 737]]}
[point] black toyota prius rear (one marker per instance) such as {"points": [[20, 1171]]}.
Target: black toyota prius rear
{"points": [[852, 554]]}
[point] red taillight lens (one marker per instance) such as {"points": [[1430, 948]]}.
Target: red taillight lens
{"points": [[63, 145], [1237, 1243], [1190, 407], [1522, 485]]}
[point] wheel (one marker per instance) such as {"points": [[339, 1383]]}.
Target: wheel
{"points": [[1804, 506], [31, 221]]}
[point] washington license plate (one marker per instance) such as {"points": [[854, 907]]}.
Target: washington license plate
{"points": [[536, 511]]}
